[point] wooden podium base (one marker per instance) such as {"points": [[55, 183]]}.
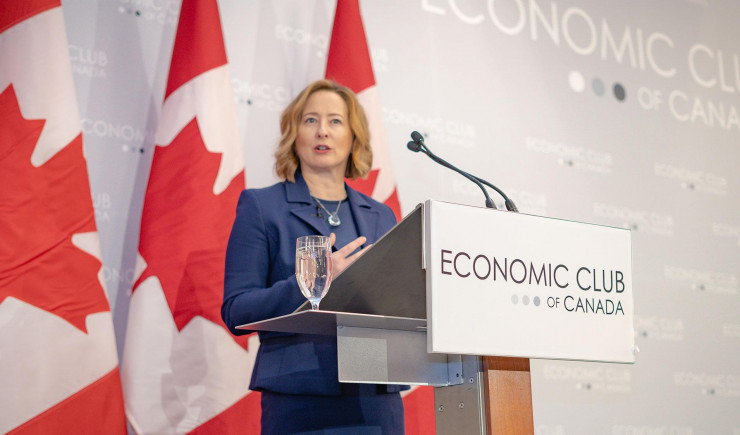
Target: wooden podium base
{"points": [[495, 397], [508, 394]]}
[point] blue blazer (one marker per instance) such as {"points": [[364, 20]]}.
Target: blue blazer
{"points": [[260, 282]]}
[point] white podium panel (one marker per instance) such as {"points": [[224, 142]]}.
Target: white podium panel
{"points": [[510, 284]]}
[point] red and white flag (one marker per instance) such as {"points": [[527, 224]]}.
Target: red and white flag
{"points": [[58, 361], [182, 369], [349, 64]]}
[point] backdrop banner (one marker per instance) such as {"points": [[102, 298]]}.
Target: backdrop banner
{"points": [[622, 114]]}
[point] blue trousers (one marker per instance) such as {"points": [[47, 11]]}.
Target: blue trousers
{"points": [[364, 413]]}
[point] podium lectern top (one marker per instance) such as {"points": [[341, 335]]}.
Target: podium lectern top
{"points": [[388, 280]]}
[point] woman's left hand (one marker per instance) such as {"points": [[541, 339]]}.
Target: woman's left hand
{"points": [[342, 258]]}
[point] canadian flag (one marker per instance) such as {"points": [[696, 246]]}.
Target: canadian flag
{"points": [[182, 370], [349, 64], [58, 360]]}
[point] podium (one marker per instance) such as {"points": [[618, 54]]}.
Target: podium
{"points": [[460, 298]]}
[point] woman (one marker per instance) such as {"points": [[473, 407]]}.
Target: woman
{"points": [[325, 138]]}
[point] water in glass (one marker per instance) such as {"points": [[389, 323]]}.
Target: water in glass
{"points": [[313, 267]]}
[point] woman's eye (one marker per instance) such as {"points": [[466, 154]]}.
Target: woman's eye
{"points": [[310, 120], [336, 121]]}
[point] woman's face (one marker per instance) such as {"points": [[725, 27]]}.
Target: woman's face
{"points": [[324, 138]]}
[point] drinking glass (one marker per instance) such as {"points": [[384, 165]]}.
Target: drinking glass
{"points": [[313, 267]]}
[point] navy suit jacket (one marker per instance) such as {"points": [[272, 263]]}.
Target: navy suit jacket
{"points": [[260, 282]]}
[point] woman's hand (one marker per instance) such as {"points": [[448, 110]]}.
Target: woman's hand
{"points": [[342, 258]]}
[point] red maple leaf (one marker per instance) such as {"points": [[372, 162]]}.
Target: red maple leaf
{"points": [[40, 209], [185, 227], [367, 186]]}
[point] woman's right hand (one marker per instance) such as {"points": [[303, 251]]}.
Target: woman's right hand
{"points": [[342, 258]]}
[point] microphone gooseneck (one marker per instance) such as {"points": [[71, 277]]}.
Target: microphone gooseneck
{"points": [[417, 144]]}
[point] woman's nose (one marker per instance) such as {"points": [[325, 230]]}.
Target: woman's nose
{"points": [[322, 131]]}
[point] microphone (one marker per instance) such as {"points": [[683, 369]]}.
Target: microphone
{"points": [[318, 212], [417, 144], [417, 137]]}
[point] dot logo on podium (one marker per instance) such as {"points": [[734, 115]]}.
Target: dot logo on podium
{"points": [[578, 84], [525, 300]]}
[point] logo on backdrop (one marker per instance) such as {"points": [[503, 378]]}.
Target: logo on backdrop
{"points": [[638, 220], [711, 384], [549, 429], [526, 201], [116, 275], [88, 61], [726, 231], [101, 204], [590, 290], [582, 158], [264, 96], [693, 179], [286, 33], [381, 59], [630, 429], [589, 378], [133, 137], [659, 328], [721, 283], [439, 132], [731, 330], [649, 50], [161, 11]]}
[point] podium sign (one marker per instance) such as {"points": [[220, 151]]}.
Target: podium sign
{"points": [[457, 282], [509, 284]]}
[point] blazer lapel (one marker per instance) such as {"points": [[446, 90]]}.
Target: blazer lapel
{"points": [[365, 217], [304, 208], [302, 205]]}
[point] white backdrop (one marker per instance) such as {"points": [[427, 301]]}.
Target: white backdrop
{"points": [[617, 113]]}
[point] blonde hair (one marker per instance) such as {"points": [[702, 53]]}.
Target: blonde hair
{"points": [[361, 156]]}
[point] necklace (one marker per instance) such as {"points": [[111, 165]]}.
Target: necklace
{"points": [[333, 218]]}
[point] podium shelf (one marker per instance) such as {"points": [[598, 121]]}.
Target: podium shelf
{"points": [[326, 323]]}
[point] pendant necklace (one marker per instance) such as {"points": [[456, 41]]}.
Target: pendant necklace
{"points": [[333, 218]]}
